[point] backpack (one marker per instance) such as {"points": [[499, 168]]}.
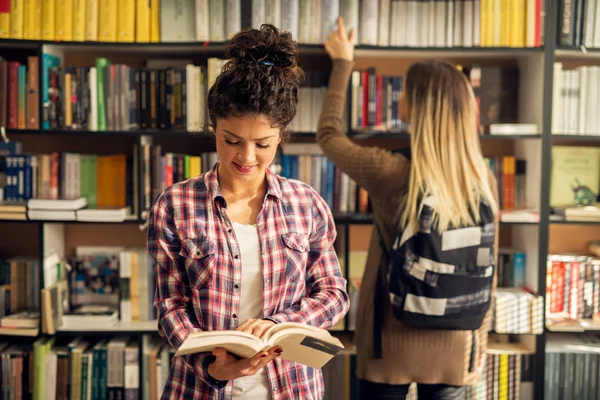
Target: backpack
{"points": [[439, 281]]}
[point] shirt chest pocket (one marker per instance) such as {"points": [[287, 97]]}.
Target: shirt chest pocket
{"points": [[295, 255], [199, 256]]}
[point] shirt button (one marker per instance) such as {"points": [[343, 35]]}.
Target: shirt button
{"points": [[266, 281], [198, 253], [236, 256], [229, 230], [234, 316], [237, 286]]}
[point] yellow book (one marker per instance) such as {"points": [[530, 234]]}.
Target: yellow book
{"points": [[142, 33], [5, 23], [17, 11], [37, 28], [48, 19], [517, 29], [195, 166], [155, 20], [79, 15], [107, 21], [91, 21], [126, 21], [29, 19], [64, 20], [506, 17]]}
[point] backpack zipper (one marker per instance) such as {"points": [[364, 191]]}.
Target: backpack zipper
{"points": [[473, 351]]}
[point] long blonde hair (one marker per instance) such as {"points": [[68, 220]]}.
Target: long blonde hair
{"points": [[446, 161]]}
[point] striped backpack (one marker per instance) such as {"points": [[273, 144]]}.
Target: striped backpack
{"points": [[439, 281]]}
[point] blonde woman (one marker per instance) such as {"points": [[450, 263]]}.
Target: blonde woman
{"points": [[446, 163]]}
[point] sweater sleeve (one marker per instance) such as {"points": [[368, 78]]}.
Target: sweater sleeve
{"points": [[371, 167]]}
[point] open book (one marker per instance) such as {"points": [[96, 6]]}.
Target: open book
{"points": [[301, 343]]}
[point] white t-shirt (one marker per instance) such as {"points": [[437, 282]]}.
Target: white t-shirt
{"points": [[251, 301]]}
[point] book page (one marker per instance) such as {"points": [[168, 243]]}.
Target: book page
{"points": [[242, 344]]}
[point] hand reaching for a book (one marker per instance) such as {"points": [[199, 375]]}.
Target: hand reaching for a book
{"points": [[340, 44], [227, 367]]}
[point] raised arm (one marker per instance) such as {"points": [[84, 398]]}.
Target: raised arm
{"points": [[371, 167], [172, 302], [326, 300]]}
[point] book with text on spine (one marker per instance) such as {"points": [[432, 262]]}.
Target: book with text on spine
{"points": [[301, 343]]}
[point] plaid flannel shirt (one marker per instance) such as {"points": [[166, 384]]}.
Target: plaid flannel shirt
{"points": [[198, 272]]}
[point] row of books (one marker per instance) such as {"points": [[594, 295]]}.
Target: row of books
{"points": [[511, 268], [108, 96], [575, 93], [105, 181], [517, 311], [578, 23], [572, 369], [427, 23], [19, 89], [572, 288], [510, 175], [19, 294], [306, 162]]}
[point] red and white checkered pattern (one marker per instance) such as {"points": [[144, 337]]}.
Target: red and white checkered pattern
{"points": [[199, 272]]}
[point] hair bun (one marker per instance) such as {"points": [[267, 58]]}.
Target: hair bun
{"points": [[265, 46]]}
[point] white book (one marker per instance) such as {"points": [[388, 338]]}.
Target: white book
{"points": [[384, 23], [176, 21], [202, 92], [233, 13], [330, 13], [51, 215], [57, 204], [344, 192], [450, 10], [202, 21], [303, 344], [258, 13], [316, 11], [458, 23], [574, 100], [590, 101], [349, 12], [103, 215], [50, 376], [304, 21], [530, 18], [290, 14], [273, 12], [583, 79], [557, 98], [594, 90], [597, 27], [369, 17], [217, 20], [467, 22]]}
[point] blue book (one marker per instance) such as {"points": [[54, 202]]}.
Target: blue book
{"points": [[49, 62], [519, 269]]}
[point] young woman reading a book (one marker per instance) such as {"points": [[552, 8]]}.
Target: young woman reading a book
{"points": [[438, 103], [240, 247]]}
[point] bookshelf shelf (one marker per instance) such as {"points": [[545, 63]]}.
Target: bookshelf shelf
{"points": [[121, 328], [560, 221], [306, 48], [576, 138], [566, 53]]}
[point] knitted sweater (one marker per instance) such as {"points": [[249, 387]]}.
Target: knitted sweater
{"points": [[409, 354]]}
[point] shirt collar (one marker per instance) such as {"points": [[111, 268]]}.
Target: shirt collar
{"points": [[214, 190]]}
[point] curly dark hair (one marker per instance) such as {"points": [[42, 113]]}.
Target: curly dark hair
{"points": [[262, 77]]}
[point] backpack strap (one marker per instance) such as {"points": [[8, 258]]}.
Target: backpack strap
{"points": [[379, 298]]}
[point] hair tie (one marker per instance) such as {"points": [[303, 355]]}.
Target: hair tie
{"points": [[265, 62]]}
